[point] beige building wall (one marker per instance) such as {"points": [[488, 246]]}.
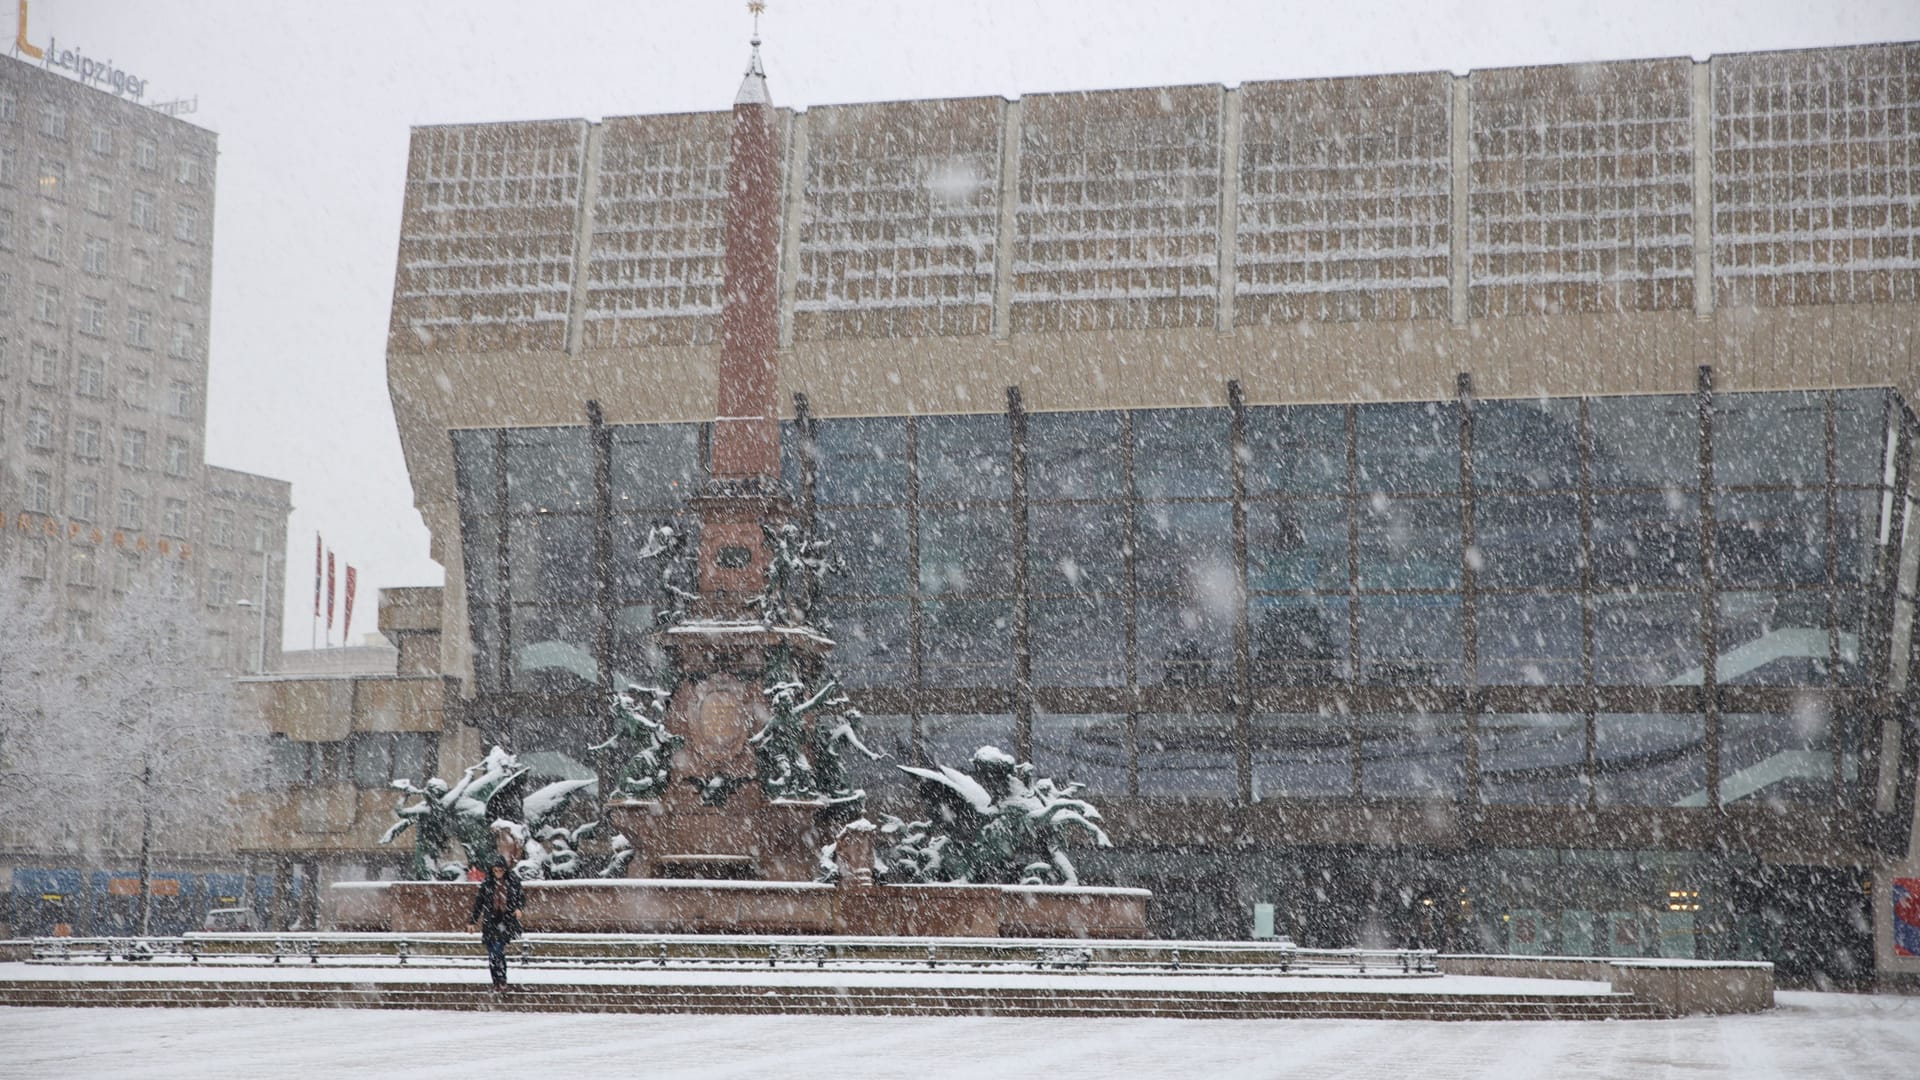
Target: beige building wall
{"points": [[1581, 229]]}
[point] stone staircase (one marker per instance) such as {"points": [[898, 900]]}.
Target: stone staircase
{"points": [[747, 998]]}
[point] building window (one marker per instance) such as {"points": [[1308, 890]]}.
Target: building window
{"points": [[260, 536], [187, 169], [46, 303], [125, 569], [99, 195], [9, 162], [173, 517], [9, 105], [186, 223], [133, 448], [53, 122], [184, 275], [53, 179], [219, 587], [139, 269], [133, 509], [293, 762], [83, 500], [136, 389], [146, 154], [181, 343], [39, 433], [86, 440], [144, 215], [78, 624], [49, 238], [221, 529], [178, 457], [93, 316], [139, 328], [377, 758], [45, 365], [36, 567], [39, 492], [93, 254], [90, 377], [100, 140], [180, 398], [81, 568], [6, 230]]}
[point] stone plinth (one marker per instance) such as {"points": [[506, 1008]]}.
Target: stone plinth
{"points": [[673, 837]]}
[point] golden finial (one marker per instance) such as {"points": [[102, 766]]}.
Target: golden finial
{"points": [[756, 7]]}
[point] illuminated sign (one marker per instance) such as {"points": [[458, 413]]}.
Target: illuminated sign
{"points": [[97, 73]]}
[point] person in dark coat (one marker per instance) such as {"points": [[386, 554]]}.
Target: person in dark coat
{"points": [[497, 906]]}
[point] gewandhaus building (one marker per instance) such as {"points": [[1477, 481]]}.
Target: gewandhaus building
{"points": [[1466, 511]]}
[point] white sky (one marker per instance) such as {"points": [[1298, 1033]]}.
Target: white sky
{"points": [[313, 101]]}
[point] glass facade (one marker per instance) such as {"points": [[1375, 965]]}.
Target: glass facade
{"points": [[1580, 603]]}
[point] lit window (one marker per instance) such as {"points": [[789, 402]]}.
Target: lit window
{"points": [[53, 179]]}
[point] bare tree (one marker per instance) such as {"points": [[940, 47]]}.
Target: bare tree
{"points": [[138, 730]]}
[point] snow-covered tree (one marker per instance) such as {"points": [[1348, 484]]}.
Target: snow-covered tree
{"points": [[32, 664], [994, 823], [133, 739]]}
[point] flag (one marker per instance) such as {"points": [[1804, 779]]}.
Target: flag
{"points": [[329, 592], [316, 575], [346, 618]]}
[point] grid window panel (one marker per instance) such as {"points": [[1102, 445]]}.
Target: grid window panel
{"points": [[1650, 759], [1186, 756], [1411, 756], [1301, 756], [1092, 749], [1533, 759]]}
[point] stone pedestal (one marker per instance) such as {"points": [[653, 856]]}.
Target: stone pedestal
{"points": [[750, 838]]}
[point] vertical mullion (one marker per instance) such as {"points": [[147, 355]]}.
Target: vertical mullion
{"points": [[1242, 661], [1886, 574], [1022, 628], [915, 666], [804, 427], [502, 565], [1353, 596], [600, 439], [1590, 701], [1709, 586], [1469, 594], [1131, 508], [1837, 722]]}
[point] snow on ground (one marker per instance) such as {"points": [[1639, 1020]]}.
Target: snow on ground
{"points": [[1825, 1036]]}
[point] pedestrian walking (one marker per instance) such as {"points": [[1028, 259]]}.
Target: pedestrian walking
{"points": [[497, 906]]}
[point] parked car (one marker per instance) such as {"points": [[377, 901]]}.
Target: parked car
{"points": [[230, 920]]}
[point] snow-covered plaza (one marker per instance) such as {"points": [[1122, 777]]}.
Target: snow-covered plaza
{"points": [[1829, 1036]]}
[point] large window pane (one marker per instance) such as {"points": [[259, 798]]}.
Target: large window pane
{"points": [[1526, 445], [1770, 537], [1078, 641], [1185, 547], [1409, 543], [1646, 639], [1646, 538], [553, 648], [966, 643], [1527, 542], [1856, 532], [1298, 640], [473, 464], [892, 738], [1183, 644], [1076, 548], [1533, 759], [1645, 442], [1773, 639], [1181, 453], [1300, 450], [1410, 640], [637, 578], [372, 764], [873, 546], [1408, 447], [1411, 756], [861, 460], [964, 458], [1851, 609], [1784, 757], [549, 469], [655, 465], [1771, 438], [1298, 544], [871, 646], [1090, 750], [1074, 455], [1301, 756], [1189, 755], [1529, 639], [1862, 439], [952, 738], [637, 655], [966, 550], [1650, 759], [550, 557]]}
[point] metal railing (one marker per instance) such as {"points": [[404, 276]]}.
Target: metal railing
{"points": [[721, 952]]}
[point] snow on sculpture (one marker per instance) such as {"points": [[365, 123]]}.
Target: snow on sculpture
{"points": [[484, 808], [995, 823], [640, 732]]}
